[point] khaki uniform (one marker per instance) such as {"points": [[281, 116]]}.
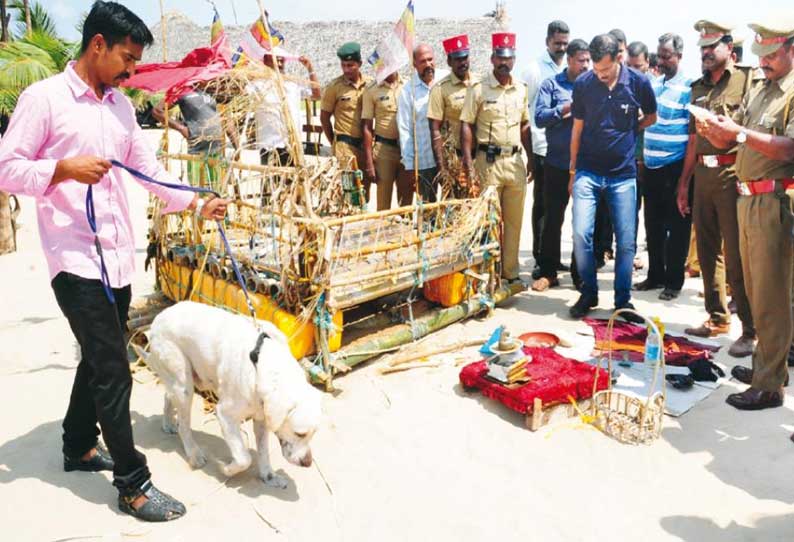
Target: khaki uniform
{"points": [[380, 106], [714, 205], [342, 99], [498, 112], [446, 104], [765, 229]]}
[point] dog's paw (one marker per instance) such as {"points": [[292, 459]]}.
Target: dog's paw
{"points": [[197, 459], [271, 479]]}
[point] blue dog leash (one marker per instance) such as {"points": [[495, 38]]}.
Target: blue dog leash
{"points": [[90, 213]]}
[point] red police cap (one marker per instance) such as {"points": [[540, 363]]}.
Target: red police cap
{"points": [[504, 43], [457, 47]]}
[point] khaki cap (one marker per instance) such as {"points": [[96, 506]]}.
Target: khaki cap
{"points": [[711, 32], [769, 37]]}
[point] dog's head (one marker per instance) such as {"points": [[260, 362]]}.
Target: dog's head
{"points": [[298, 427], [292, 408]]}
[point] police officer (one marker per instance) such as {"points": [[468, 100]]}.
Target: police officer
{"points": [[446, 103], [496, 110], [342, 101], [762, 130], [379, 122], [720, 90]]}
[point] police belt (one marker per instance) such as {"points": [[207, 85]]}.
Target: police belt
{"points": [[501, 151], [387, 141], [350, 140], [716, 160], [763, 186]]}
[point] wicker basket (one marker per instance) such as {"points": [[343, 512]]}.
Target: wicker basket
{"points": [[623, 416]]}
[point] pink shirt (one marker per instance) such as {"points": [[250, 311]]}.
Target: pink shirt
{"points": [[61, 117]]}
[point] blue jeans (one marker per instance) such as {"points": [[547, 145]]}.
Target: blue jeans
{"points": [[621, 196]]}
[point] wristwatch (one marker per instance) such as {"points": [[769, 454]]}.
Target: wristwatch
{"points": [[741, 137]]}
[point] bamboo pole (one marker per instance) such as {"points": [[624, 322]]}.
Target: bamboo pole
{"points": [[163, 29], [439, 318]]}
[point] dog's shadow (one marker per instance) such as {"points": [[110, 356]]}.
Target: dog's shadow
{"points": [[149, 435]]}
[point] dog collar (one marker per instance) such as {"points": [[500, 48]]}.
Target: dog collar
{"points": [[254, 355]]}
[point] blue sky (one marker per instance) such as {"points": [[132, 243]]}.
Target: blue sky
{"points": [[643, 21]]}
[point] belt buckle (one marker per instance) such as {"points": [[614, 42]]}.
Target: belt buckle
{"points": [[711, 161], [743, 189]]}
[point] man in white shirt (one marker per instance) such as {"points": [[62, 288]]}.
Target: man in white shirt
{"points": [[272, 134], [412, 107], [548, 64]]}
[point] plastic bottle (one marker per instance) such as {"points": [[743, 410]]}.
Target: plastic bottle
{"points": [[653, 344]]}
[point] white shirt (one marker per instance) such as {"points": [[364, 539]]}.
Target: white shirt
{"points": [[539, 70], [271, 132]]}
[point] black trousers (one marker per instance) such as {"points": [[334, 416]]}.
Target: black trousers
{"points": [[102, 383], [284, 157], [538, 211], [555, 201], [667, 231]]}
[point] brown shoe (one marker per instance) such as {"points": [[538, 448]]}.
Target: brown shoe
{"points": [[742, 347], [745, 375], [708, 329], [544, 283], [753, 399]]}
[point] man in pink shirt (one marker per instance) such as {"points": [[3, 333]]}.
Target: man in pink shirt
{"points": [[60, 140]]}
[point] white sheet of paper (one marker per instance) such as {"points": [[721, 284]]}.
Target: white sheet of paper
{"points": [[701, 113]]}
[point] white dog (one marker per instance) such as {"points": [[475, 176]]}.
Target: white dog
{"points": [[194, 345]]}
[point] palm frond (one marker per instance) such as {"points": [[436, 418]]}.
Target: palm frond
{"points": [[40, 19], [22, 64], [60, 51], [8, 101]]}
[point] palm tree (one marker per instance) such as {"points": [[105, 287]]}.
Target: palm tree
{"points": [[35, 54]]}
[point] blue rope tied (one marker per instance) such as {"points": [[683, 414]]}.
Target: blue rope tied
{"points": [[90, 212]]}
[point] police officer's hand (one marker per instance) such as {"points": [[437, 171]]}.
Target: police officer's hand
{"points": [[215, 209], [83, 169], [682, 200], [369, 173], [723, 128], [530, 176]]}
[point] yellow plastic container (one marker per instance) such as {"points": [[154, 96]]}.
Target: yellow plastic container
{"points": [[230, 297], [207, 288], [448, 290]]}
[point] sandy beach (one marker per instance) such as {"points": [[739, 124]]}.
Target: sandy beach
{"points": [[403, 457]]}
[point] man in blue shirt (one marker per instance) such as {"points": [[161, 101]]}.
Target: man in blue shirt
{"points": [[665, 147], [607, 105], [553, 114]]}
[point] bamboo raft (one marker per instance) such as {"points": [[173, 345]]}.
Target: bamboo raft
{"points": [[316, 263]]}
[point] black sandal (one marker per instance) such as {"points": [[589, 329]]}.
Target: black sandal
{"points": [[159, 506]]}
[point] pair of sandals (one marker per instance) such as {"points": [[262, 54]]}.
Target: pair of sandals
{"points": [[158, 507]]}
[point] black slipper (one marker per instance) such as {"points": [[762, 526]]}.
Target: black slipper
{"points": [[159, 506]]}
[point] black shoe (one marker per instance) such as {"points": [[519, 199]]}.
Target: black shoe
{"points": [[753, 399], [630, 316], [100, 461], [646, 285], [745, 375], [159, 506], [562, 267], [669, 294], [583, 306], [537, 273]]}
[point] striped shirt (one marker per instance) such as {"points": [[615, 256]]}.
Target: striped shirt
{"points": [[416, 95], [665, 141]]}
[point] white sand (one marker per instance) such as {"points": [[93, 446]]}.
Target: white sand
{"points": [[407, 456]]}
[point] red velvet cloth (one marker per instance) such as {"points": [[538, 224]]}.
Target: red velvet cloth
{"points": [[629, 339], [553, 378]]}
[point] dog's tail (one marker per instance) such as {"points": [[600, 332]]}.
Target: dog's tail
{"points": [[141, 351]]}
